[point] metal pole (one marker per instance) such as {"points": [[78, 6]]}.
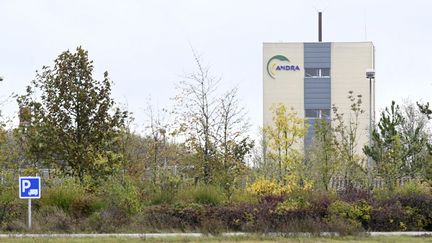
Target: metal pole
{"points": [[319, 27], [29, 214], [370, 134]]}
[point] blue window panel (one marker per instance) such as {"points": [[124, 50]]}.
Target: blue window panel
{"points": [[318, 85], [311, 96], [317, 91], [317, 55]]}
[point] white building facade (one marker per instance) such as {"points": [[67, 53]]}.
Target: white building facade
{"points": [[311, 77]]}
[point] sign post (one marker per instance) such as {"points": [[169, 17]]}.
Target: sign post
{"points": [[29, 188]]}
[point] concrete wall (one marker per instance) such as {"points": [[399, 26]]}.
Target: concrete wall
{"points": [[348, 73], [287, 86]]}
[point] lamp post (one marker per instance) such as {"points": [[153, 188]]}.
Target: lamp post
{"points": [[370, 74]]}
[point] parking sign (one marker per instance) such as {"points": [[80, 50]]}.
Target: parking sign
{"points": [[29, 187]]}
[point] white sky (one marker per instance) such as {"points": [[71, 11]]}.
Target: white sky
{"points": [[145, 45]]}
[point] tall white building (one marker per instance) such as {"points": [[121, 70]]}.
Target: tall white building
{"points": [[311, 77]]}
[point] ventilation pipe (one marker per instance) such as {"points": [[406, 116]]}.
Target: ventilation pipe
{"points": [[319, 27]]}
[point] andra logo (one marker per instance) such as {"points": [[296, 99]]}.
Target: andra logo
{"points": [[272, 65]]}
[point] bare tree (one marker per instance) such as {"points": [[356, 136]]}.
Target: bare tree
{"points": [[415, 132], [233, 139], [233, 125], [157, 131], [347, 135], [197, 107]]}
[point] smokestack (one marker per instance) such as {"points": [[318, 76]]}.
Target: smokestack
{"points": [[319, 27]]}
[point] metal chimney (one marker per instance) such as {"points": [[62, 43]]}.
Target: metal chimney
{"points": [[319, 27]]}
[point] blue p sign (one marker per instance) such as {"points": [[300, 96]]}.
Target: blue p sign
{"points": [[29, 187]]}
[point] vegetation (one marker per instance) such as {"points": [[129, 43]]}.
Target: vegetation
{"points": [[73, 123], [248, 238], [203, 172]]}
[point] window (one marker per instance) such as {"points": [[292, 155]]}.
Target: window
{"points": [[317, 72], [317, 113]]}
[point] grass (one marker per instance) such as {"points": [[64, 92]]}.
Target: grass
{"points": [[253, 238]]}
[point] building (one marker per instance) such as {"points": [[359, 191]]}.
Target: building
{"points": [[311, 77]]}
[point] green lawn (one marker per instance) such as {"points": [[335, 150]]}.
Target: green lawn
{"points": [[224, 239]]}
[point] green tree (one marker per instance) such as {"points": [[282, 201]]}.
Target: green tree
{"points": [[387, 148], [323, 159], [425, 109], [72, 121], [284, 138]]}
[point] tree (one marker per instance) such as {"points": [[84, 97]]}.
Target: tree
{"points": [[323, 158], [346, 128], [214, 127], [387, 148], [232, 139], [284, 136], [425, 110], [197, 108], [73, 123], [156, 130], [414, 138]]}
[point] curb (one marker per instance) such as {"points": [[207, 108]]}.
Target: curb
{"points": [[193, 235]]}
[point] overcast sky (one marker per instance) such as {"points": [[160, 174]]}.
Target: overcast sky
{"points": [[146, 45]]}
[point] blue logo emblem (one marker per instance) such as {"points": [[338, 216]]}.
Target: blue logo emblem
{"points": [[29, 187]]}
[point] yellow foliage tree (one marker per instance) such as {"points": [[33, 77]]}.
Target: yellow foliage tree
{"points": [[284, 137]]}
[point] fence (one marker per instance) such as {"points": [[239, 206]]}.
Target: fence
{"points": [[340, 183]]}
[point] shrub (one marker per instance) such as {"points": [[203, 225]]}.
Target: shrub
{"points": [[121, 194], [52, 218], [179, 216], [62, 193], [342, 226], [161, 197], [202, 194], [240, 196], [107, 220], [354, 195], [234, 217], [210, 195], [11, 207], [408, 207], [353, 212], [413, 188], [264, 187], [387, 215], [85, 205]]}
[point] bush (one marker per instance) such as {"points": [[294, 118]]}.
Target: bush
{"points": [[179, 216], [264, 187], [62, 193], [387, 215], [11, 207], [121, 194], [52, 218], [162, 197], [413, 188], [356, 213], [85, 205], [240, 196], [202, 194], [408, 207], [107, 221]]}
